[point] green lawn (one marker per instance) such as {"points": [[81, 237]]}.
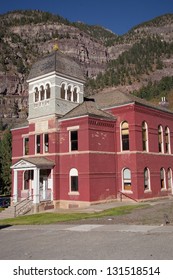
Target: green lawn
{"points": [[53, 218]]}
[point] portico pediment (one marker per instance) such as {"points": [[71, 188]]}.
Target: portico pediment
{"points": [[33, 162], [23, 164]]}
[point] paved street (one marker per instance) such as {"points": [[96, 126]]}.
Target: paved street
{"points": [[89, 241]]}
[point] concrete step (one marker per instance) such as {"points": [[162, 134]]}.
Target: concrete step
{"points": [[7, 213], [21, 209]]}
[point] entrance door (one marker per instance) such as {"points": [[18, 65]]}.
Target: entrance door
{"points": [[43, 188]]}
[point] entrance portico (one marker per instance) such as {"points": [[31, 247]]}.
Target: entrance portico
{"points": [[33, 178]]}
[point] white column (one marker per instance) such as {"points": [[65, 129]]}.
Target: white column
{"points": [[15, 190], [78, 98], [72, 94], [36, 197], [44, 189], [65, 93], [51, 184]]}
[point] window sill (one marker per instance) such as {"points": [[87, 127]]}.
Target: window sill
{"points": [[127, 191], [147, 191], [163, 190], [73, 193]]}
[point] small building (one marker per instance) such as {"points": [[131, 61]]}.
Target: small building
{"points": [[75, 151]]}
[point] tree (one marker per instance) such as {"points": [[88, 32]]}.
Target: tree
{"points": [[1, 124], [5, 162]]}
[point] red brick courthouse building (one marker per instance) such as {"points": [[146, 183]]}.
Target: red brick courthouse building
{"points": [[75, 151]]}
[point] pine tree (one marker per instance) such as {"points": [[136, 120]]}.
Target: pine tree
{"points": [[5, 159]]}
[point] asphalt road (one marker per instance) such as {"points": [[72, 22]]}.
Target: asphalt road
{"points": [[87, 242]]}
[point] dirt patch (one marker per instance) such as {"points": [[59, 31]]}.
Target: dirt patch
{"points": [[155, 213]]}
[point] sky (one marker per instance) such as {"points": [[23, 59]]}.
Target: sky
{"points": [[118, 16]]}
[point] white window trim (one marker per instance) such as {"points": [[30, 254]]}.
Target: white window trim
{"points": [[149, 182], [122, 177], [147, 142], [24, 144], [162, 145], [164, 174], [73, 172], [69, 129], [169, 140], [45, 152], [121, 142], [36, 144], [171, 187]]}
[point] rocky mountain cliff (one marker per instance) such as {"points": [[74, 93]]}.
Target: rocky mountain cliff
{"points": [[27, 35]]}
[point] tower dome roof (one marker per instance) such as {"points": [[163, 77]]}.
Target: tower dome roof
{"points": [[59, 63]]}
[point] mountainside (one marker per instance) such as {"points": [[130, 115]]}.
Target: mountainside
{"points": [[144, 54]]}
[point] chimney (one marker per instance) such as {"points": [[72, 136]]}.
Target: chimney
{"points": [[164, 103]]}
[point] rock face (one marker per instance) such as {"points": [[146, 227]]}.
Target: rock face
{"points": [[75, 43], [22, 44]]}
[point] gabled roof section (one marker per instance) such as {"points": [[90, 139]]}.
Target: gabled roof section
{"points": [[59, 63], [26, 163], [114, 98], [88, 108], [111, 97]]}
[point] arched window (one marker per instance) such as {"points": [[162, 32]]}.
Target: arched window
{"points": [[36, 94], [167, 140], [73, 180], [63, 91], [47, 91], [69, 93], [125, 136], [146, 179], [160, 139], [162, 178], [127, 179], [169, 178], [75, 95], [42, 92], [144, 136]]}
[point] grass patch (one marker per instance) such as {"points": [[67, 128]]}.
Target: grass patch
{"points": [[53, 218], [1, 209]]}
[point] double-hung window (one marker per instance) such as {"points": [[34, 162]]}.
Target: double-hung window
{"points": [[144, 137], [26, 146], [125, 136], [74, 180], [38, 150], [46, 143]]}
